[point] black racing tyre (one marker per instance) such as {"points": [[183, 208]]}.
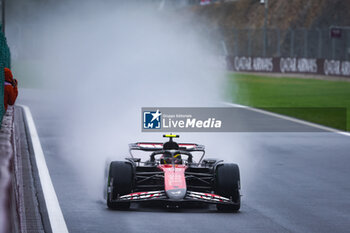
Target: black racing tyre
{"points": [[227, 184], [120, 179]]}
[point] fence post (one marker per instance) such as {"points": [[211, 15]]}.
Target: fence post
{"points": [[319, 43], [264, 42], [347, 45], [224, 48], [305, 43], [265, 26], [249, 42], [235, 42], [333, 48], [278, 42], [291, 43]]}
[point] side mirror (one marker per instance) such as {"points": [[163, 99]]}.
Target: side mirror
{"points": [[136, 160], [209, 161]]}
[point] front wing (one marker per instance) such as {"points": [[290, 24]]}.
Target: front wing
{"points": [[161, 196]]}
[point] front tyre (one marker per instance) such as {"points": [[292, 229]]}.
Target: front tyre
{"points": [[120, 182], [228, 184]]}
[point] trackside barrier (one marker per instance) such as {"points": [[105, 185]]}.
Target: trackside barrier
{"points": [[327, 67], [5, 61], [6, 158]]}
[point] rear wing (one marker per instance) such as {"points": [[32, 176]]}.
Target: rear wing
{"points": [[157, 146]]}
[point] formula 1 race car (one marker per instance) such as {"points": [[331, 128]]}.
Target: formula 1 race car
{"points": [[172, 176]]}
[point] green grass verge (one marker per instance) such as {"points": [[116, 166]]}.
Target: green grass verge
{"points": [[319, 101]]}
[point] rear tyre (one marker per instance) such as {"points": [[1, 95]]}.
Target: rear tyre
{"points": [[228, 185], [120, 182]]}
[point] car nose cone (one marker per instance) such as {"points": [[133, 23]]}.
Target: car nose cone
{"points": [[176, 193]]}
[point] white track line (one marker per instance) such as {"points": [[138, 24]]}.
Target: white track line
{"points": [[289, 119], [58, 225]]}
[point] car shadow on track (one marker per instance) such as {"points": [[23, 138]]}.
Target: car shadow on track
{"points": [[188, 208]]}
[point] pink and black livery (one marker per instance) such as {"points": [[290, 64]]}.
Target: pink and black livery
{"points": [[172, 176]]}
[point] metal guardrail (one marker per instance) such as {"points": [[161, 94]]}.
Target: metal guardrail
{"points": [[5, 61]]}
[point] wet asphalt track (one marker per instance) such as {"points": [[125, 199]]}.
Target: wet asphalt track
{"points": [[291, 182]]}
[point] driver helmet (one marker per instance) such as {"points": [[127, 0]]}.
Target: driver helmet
{"points": [[167, 158]]}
